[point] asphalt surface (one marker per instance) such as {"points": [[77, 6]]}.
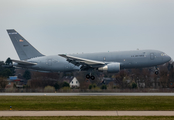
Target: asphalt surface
{"points": [[86, 113], [86, 94]]}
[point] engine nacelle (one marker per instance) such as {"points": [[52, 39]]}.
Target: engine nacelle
{"points": [[110, 68]]}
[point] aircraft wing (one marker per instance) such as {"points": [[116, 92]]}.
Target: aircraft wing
{"points": [[83, 62], [23, 62]]}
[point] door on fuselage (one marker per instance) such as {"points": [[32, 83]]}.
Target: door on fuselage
{"points": [[104, 59], [152, 56], [49, 62]]}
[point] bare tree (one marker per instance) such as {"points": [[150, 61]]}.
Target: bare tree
{"points": [[3, 82]]}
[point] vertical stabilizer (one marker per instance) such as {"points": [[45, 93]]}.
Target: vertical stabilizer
{"points": [[23, 48]]}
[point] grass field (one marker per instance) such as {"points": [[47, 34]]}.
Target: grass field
{"points": [[91, 118], [132, 103]]}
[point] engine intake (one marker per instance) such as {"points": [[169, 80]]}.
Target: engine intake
{"points": [[110, 68]]}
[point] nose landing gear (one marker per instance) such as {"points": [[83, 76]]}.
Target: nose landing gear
{"points": [[156, 70], [88, 76]]}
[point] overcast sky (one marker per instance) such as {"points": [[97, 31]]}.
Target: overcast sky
{"points": [[76, 26]]}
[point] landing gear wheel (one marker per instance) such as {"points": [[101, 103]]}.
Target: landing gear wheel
{"points": [[87, 76], [156, 72], [92, 77]]}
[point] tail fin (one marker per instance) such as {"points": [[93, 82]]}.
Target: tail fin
{"points": [[23, 48]]}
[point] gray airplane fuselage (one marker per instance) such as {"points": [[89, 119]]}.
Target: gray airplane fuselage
{"points": [[111, 62], [127, 60]]}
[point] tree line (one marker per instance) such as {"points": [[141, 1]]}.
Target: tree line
{"points": [[125, 79]]}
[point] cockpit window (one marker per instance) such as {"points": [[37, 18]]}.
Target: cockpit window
{"points": [[163, 54]]}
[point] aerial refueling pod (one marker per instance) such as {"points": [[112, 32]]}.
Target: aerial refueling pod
{"points": [[110, 68]]}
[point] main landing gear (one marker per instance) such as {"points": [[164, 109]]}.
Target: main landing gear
{"points": [[88, 76]]}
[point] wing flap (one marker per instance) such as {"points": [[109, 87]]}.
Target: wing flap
{"points": [[82, 61]]}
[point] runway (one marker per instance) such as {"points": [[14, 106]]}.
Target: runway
{"points": [[86, 113], [86, 94]]}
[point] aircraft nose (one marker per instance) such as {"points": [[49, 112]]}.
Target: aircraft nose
{"points": [[167, 58]]}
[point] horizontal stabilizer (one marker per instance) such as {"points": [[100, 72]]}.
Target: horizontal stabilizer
{"points": [[23, 62]]}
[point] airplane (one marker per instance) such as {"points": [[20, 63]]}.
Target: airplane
{"points": [[110, 62]]}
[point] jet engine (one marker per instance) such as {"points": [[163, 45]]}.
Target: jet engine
{"points": [[110, 68]]}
